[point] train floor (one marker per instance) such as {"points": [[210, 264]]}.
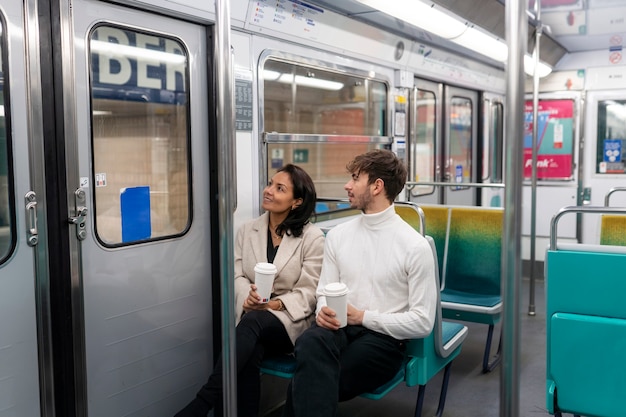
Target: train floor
{"points": [[470, 392]]}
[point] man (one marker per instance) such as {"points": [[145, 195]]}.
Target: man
{"points": [[389, 270]]}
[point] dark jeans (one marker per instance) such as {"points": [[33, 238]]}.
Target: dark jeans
{"points": [[335, 366], [257, 334]]}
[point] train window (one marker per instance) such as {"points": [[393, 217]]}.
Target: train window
{"points": [[337, 112], [7, 214], [140, 135], [611, 148], [459, 161], [425, 139]]}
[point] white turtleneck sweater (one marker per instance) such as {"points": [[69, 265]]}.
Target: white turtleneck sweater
{"points": [[389, 270]]}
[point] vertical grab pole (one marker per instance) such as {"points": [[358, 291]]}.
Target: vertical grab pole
{"points": [[226, 191], [516, 35], [533, 204]]}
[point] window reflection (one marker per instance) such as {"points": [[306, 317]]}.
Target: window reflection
{"points": [[423, 149], [312, 101], [459, 161], [140, 133]]}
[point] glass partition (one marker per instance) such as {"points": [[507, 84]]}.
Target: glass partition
{"points": [[458, 164], [423, 150], [319, 119]]}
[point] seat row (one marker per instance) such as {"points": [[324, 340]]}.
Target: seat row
{"points": [[469, 278]]}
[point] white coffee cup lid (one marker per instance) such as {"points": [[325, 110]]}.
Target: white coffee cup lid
{"points": [[265, 268], [335, 288]]}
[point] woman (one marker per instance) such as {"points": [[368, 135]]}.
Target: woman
{"points": [[282, 236]]}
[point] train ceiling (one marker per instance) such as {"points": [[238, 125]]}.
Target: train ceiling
{"points": [[569, 25]]}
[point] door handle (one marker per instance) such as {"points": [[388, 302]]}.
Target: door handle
{"points": [[32, 234]]}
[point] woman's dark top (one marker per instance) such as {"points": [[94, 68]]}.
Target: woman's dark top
{"points": [[271, 250]]}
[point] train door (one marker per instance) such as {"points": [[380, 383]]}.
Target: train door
{"points": [[460, 145], [425, 141], [140, 185], [604, 165], [22, 236], [491, 151], [443, 144]]}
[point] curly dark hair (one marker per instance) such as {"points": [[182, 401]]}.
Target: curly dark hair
{"points": [[383, 164], [303, 188]]}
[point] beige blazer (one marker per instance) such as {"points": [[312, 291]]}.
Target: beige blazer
{"points": [[298, 261]]}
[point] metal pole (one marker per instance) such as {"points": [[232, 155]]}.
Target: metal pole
{"points": [[533, 199], [226, 191], [516, 35]]}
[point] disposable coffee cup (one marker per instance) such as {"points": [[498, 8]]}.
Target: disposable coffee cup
{"points": [[264, 274], [337, 298]]}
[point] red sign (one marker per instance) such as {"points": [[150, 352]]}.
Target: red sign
{"points": [[548, 166]]}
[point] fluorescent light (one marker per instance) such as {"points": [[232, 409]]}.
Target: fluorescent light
{"points": [[101, 113], [302, 80], [529, 67], [483, 43], [271, 75], [311, 82], [429, 18]]}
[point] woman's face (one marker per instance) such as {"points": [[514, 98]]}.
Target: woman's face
{"points": [[278, 194]]}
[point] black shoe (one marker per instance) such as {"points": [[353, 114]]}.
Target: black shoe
{"points": [[196, 408]]}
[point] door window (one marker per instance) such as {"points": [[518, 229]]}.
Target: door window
{"points": [[425, 136], [459, 159], [7, 213], [140, 135]]}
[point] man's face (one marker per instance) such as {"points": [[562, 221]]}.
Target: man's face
{"points": [[359, 191]]}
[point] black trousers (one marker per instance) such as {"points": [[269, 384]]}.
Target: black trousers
{"points": [[259, 333], [335, 366]]}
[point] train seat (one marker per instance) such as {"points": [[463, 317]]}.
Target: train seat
{"points": [[437, 227], [585, 326], [425, 358], [472, 270], [613, 230]]}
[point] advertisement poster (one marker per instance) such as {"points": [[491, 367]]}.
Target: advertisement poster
{"points": [[555, 139]]}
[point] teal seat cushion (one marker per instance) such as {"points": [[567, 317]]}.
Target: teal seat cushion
{"points": [[285, 367], [482, 300], [282, 366], [449, 330]]}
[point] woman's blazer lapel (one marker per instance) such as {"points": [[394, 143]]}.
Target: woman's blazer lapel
{"points": [[288, 245]]}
